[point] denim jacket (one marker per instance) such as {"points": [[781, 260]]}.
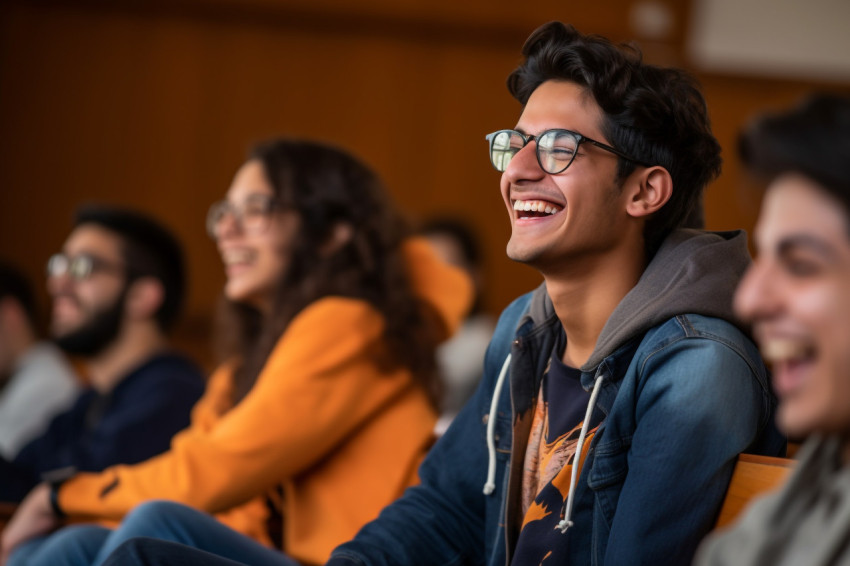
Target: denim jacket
{"points": [[683, 392]]}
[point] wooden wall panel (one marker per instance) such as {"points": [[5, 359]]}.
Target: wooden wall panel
{"points": [[153, 104]]}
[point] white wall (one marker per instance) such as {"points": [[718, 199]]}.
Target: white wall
{"points": [[807, 39]]}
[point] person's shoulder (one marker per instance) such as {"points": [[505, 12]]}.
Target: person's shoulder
{"points": [[718, 334], [175, 363], [690, 325], [168, 371], [46, 361], [331, 321], [335, 311]]}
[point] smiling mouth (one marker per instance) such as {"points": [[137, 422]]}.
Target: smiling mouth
{"points": [[777, 351], [236, 257], [536, 208]]}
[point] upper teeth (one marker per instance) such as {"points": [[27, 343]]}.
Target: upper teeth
{"points": [[235, 256], [778, 350], [536, 206]]}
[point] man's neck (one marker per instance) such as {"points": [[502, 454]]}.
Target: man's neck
{"points": [[585, 296], [132, 348]]}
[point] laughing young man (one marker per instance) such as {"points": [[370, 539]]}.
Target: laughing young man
{"points": [[797, 296], [625, 361]]}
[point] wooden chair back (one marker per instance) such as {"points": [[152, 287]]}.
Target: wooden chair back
{"points": [[753, 476]]}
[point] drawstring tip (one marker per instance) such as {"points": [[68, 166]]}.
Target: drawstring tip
{"points": [[489, 487], [564, 525]]}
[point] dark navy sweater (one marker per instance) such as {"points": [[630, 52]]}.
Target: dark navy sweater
{"points": [[132, 423]]}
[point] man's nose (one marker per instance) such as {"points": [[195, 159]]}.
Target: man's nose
{"points": [[756, 295], [524, 164]]}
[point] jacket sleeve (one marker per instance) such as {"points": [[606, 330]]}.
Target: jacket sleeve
{"points": [[319, 384], [700, 403]]}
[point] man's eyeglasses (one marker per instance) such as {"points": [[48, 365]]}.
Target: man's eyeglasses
{"points": [[79, 267], [556, 149], [251, 216]]}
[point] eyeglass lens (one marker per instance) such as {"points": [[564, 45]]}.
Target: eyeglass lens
{"points": [[79, 267], [251, 216], [555, 149]]}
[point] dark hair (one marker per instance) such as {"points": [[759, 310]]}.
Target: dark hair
{"points": [[148, 249], [14, 284], [656, 115], [812, 139], [464, 236], [460, 232], [328, 187]]}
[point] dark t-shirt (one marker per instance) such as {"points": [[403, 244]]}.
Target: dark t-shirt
{"points": [[553, 440]]}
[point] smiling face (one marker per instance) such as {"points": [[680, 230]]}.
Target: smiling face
{"points": [[86, 314], [255, 260], [797, 296], [576, 213]]}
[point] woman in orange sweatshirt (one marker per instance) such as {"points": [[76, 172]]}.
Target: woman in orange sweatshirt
{"points": [[326, 403]]}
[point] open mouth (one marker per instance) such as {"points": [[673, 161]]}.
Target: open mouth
{"points": [[790, 361], [237, 260], [237, 256], [536, 208], [785, 350]]}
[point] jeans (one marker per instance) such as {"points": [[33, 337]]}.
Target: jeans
{"points": [[86, 545], [153, 552]]}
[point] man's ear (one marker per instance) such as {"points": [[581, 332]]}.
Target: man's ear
{"points": [[650, 188], [144, 297]]}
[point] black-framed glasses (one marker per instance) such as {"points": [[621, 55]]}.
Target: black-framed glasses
{"points": [[80, 267], [556, 149], [252, 216]]}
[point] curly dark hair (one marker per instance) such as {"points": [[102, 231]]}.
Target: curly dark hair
{"points": [[328, 187], [813, 139], [657, 115]]}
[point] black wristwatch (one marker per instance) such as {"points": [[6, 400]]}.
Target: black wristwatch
{"points": [[55, 479], [54, 498]]}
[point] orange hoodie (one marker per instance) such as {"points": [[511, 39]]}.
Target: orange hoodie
{"points": [[340, 436]]}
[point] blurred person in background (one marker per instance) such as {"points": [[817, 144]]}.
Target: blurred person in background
{"points": [[797, 298], [461, 358], [36, 379], [117, 288], [326, 399]]}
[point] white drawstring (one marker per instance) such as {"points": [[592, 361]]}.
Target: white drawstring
{"points": [[491, 428], [566, 523]]}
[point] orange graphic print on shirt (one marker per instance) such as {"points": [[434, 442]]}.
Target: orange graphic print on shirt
{"points": [[548, 462]]}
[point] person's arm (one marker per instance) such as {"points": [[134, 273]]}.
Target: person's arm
{"points": [[700, 403], [439, 521], [39, 512], [444, 520], [319, 384]]}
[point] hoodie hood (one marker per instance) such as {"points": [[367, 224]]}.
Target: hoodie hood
{"points": [[445, 288], [693, 272]]}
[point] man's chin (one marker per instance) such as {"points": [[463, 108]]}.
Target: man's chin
{"points": [[521, 254]]}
